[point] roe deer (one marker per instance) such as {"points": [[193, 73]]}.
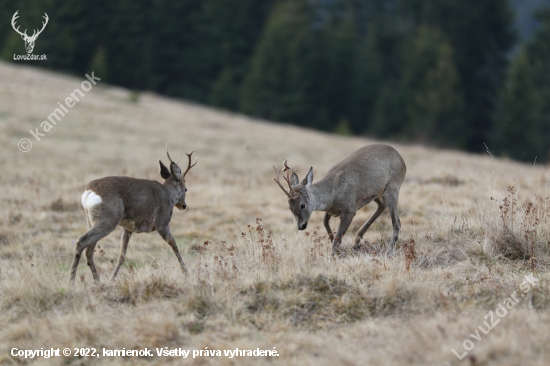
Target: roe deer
{"points": [[373, 172], [137, 205]]}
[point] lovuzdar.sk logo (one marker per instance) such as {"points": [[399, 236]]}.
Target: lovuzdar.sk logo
{"points": [[29, 40]]}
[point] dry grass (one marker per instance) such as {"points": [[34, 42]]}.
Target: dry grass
{"points": [[467, 242]]}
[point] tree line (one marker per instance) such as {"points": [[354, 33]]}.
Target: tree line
{"points": [[443, 72]]}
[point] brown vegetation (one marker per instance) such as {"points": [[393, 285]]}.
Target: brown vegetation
{"points": [[467, 242]]}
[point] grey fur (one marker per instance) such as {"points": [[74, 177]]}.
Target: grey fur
{"points": [[138, 206], [371, 173]]}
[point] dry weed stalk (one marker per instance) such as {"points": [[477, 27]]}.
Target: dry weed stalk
{"points": [[410, 253], [316, 251], [522, 227]]}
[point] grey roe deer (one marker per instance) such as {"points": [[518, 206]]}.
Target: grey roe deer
{"points": [[137, 205], [373, 172]]}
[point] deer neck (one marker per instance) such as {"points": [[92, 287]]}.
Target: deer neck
{"points": [[322, 195], [174, 191]]}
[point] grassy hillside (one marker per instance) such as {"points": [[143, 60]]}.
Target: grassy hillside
{"points": [[473, 229]]}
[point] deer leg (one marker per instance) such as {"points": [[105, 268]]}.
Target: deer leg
{"points": [[90, 249], [327, 226], [90, 260], [392, 195], [124, 240], [92, 236], [345, 221], [168, 238], [381, 207]]}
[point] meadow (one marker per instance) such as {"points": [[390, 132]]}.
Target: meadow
{"points": [[474, 228]]}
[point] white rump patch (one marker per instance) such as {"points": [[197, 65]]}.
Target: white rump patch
{"points": [[90, 199]]}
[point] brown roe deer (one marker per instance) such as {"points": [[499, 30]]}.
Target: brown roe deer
{"points": [[137, 205], [371, 173]]}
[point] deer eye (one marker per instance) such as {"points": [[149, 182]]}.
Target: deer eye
{"points": [[185, 189], [303, 206]]}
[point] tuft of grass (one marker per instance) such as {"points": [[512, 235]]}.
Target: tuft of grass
{"points": [[134, 291], [448, 180], [522, 232]]}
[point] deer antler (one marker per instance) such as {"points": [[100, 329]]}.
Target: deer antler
{"points": [[169, 155], [279, 183], [189, 166], [15, 16], [288, 169]]}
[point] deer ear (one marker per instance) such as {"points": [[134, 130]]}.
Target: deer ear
{"points": [[164, 172], [308, 180], [176, 172], [294, 181]]}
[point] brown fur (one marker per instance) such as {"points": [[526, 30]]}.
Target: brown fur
{"points": [[137, 205]]}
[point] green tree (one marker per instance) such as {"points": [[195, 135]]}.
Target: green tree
{"points": [[522, 122], [234, 28], [285, 77], [366, 83], [340, 41], [481, 36], [430, 85], [98, 65]]}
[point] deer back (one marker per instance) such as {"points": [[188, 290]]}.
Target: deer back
{"points": [[364, 174], [125, 198]]}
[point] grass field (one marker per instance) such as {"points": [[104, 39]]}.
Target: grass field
{"points": [[474, 229]]}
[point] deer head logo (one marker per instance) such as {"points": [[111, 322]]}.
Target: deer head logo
{"points": [[29, 41]]}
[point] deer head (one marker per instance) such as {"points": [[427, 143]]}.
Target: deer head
{"points": [[175, 178], [29, 41], [300, 201]]}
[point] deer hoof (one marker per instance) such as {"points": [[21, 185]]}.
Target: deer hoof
{"points": [[358, 245], [358, 241]]}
